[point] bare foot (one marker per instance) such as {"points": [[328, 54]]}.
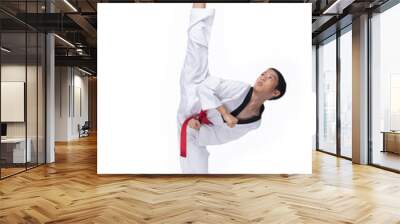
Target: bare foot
{"points": [[199, 5]]}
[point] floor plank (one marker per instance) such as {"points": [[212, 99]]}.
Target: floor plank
{"points": [[70, 191]]}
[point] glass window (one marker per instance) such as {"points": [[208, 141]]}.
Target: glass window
{"points": [[32, 94], [22, 92], [346, 94], [14, 150], [327, 96], [385, 87]]}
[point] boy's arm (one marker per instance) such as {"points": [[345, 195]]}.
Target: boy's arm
{"points": [[231, 120], [214, 91]]}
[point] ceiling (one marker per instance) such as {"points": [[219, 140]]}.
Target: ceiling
{"points": [[76, 22]]}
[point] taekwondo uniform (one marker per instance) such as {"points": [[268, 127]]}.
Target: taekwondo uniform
{"points": [[202, 92]]}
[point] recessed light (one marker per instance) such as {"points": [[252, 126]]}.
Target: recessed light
{"points": [[338, 6], [84, 71], [70, 5], [64, 40], [5, 49]]}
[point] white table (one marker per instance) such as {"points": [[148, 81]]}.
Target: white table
{"points": [[19, 149]]}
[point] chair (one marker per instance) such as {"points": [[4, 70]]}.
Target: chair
{"points": [[84, 130]]}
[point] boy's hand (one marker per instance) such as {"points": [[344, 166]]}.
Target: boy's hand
{"points": [[194, 123], [231, 121]]}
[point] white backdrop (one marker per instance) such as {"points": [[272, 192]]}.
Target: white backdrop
{"points": [[141, 49]]}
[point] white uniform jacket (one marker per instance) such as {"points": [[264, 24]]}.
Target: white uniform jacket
{"points": [[202, 91]]}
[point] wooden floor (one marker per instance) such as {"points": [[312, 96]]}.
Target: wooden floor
{"points": [[70, 191]]}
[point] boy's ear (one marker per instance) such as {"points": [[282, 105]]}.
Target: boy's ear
{"points": [[276, 93]]}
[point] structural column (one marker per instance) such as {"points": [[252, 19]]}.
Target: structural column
{"points": [[360, 90], [50, 92]]}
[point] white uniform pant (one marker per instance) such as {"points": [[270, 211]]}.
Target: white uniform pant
{"points": [[196, 161]]}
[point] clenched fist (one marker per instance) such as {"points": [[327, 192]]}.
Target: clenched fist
{"points": [[194, 123]]}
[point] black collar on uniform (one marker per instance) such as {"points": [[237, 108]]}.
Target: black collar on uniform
{"points": [[243, 105]]}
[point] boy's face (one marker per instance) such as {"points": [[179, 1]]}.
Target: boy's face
{"points": [[266, 83]]}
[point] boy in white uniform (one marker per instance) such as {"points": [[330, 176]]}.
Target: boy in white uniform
{"points": [[214, 111]]}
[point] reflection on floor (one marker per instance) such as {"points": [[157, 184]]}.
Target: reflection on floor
{"points": [[386, 159], [11, 169]]}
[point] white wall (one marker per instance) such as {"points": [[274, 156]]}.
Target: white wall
{"points": [[61, 103], [80, 83], [15, 72], [68, 81]]}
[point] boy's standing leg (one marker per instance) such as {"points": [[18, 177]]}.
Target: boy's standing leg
{"points": [[194, 71]]}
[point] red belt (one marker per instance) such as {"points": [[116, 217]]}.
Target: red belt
{"points": [[202, 118]]}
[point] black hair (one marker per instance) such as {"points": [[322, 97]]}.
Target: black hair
{"points": [[281, 86]]}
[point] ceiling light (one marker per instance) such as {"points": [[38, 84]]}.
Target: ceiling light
{"points": [[64, 40], [70, 5], [84, 71], [338, 6], [5, 49]]}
